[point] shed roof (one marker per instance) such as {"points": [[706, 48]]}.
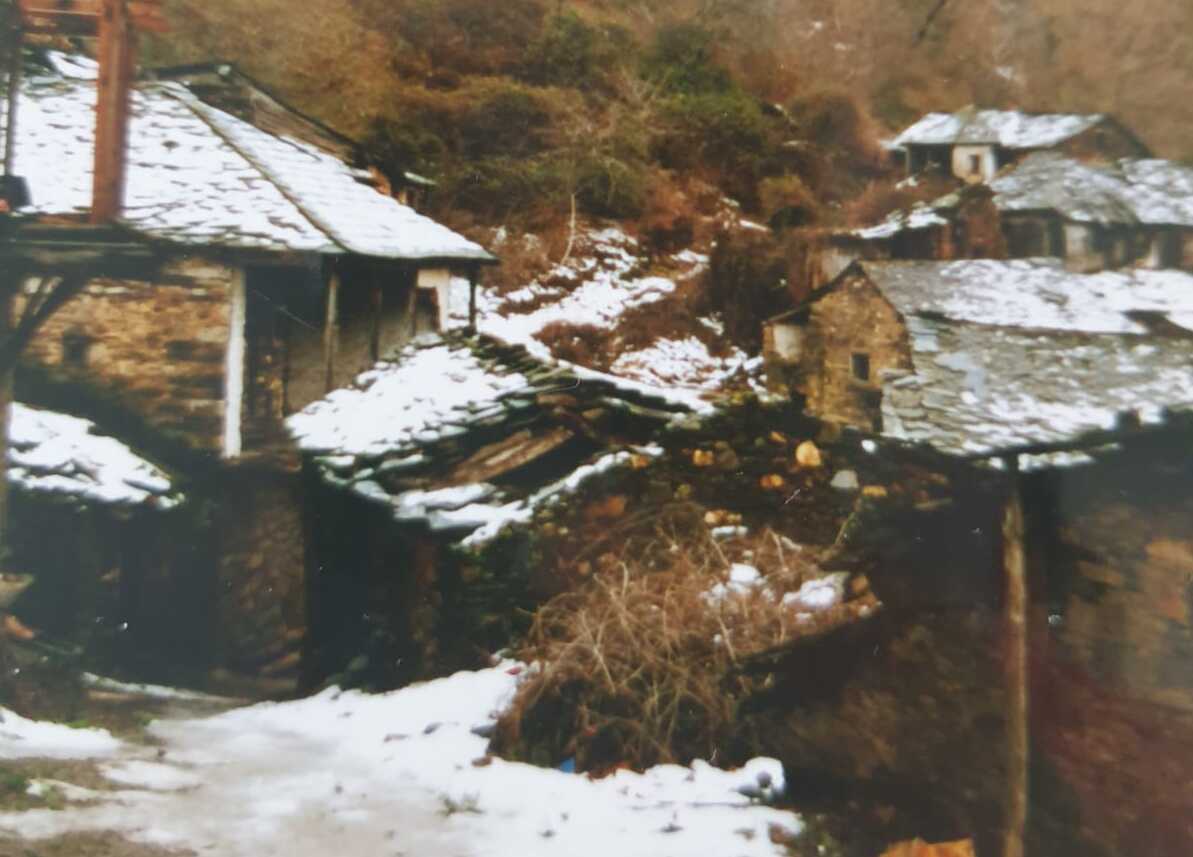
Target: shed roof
{"points": [[1011, 129], [1032, 293], [979, 389], [197, 175], [1133, 190], [63, 456], [434, 432]]}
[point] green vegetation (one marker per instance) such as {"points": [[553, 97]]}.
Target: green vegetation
{"points": [[520, 106]]}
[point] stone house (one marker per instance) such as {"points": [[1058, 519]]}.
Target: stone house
{"points": [[1053, 411], [274, 271], [841, 349], [287, 274], [1094, 216], [974, 145]]}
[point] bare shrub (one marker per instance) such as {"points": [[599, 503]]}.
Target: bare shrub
{"points": [[880, 198], [585, 344], [637, 668]]}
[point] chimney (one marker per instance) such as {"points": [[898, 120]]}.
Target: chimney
{"points": [[116, 64]]}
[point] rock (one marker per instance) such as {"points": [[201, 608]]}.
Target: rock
{"points": [[772, 482], [702, 458], [876, 492], [807, 455], [846, 480], [608, 509], [15, 629], [920, 848]]}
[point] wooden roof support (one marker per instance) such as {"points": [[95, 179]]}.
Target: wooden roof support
{"points": [[1016, 643], [116, 64]]}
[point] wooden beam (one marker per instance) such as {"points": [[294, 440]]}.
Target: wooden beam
{"points": [[15, 64], [331, 331], [1014, 560], [499, 458], [116, 62], [473, 283], [82, 17]]}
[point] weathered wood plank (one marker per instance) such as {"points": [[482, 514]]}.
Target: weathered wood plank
{"points": [[498, 458]]}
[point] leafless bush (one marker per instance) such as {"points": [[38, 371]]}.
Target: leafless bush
{"points": [[637, 667]]}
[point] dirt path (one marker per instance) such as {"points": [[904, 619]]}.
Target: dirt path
{"points": [[348, 773]]}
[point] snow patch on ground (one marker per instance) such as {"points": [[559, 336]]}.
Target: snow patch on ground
{"points": [[686, 362], [350, 773], [603, 281], [31, 739]]}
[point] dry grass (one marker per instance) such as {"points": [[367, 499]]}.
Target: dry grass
{"points": [[636, 668]]}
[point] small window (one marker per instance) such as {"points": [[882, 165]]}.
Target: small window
{"points": [[861, 366], [75, 348], [975, 165]]}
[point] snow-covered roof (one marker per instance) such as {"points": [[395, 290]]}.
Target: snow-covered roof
{"points": [[199, 176], [424, 433], [53, 453], [1133, 190], [1011, 129], [981, 388], [1033, 293]]}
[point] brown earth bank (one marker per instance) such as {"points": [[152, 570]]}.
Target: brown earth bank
{"points": [[90, 844]]}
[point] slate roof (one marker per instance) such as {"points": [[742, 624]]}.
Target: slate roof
{"points": [[64, 456], [199, 176], [436, 432], [1132, 191], [1033, 293], [980, 388], [1011, 129]]}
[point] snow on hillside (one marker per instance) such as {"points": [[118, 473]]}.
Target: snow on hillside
{"points": [[607, 275]]}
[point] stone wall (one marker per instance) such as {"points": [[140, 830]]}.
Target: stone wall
{"points": [[1122, 584], [156, 349], [852, 332], [257, 519]]}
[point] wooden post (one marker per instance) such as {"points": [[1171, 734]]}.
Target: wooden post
{"points": [[1014, 561], [473, 282], [377, 302], [14, 87], [115, 55], [412, 306], [331, 331], [8, 290]]}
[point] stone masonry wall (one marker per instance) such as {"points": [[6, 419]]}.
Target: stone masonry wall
{"points": [[156, 348], [261, 571], [853, 320]]}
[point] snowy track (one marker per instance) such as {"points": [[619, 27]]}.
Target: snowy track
{"points": [[348, 773]]}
